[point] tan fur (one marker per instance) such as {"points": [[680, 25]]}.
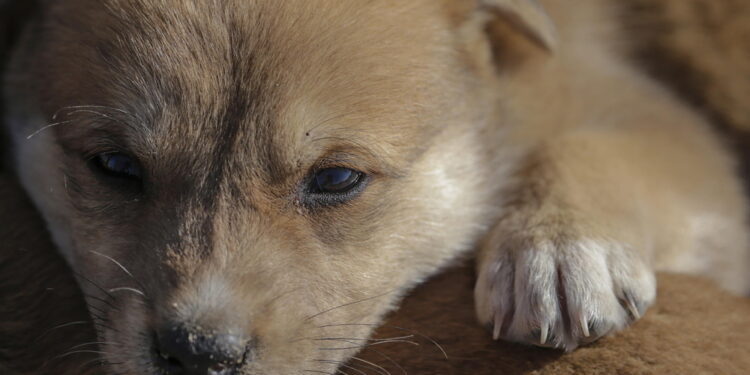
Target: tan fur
{"points": [[583, 175]]}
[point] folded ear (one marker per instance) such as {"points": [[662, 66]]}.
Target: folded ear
{"points": [[526, 17]]}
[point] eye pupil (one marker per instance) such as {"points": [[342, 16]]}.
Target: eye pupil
{"points": [[336, 180], [119, 164]]}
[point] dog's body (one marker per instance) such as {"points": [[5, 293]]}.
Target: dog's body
{"points": [[462, 121]]}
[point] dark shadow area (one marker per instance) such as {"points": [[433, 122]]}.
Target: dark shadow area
{"points": [[42, 312]]}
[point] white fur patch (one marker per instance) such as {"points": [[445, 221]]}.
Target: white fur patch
{"points": [[204, 298]]}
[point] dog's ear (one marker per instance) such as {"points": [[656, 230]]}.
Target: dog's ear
{"points": [[517, 29], [526, 17]]}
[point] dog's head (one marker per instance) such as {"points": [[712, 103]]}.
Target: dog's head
{"points": [[248, 186]]}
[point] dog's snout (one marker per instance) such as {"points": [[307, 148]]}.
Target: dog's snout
{"points": [[180, 350]]}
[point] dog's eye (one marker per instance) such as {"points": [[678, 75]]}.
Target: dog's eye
{"points": [[333, 186], [118, 165], [336, 180]]}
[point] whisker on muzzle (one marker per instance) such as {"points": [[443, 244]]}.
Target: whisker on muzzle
{"points": [[341, 364], [113, 261], [318, 372], [90, 343], [363, 363], [97, 286], [349, 304], [127, 272], [372, 344], [323, 338], [127, 289], [69, 353], [397, 338], [102, 300], [69, 324], [380, 369], [388, 358], [428, 338]]}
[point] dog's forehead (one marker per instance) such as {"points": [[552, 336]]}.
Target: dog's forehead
{"points": [[267, 77]]}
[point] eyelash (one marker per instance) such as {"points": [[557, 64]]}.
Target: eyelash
{"points": [[314, 198], [123, 183]]}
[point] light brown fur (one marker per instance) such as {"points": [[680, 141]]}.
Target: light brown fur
{"points": [[582, 175]]}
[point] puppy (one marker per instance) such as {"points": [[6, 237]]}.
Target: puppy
{"points": [[248, 186]]}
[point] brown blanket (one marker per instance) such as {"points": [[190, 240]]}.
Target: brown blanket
{"points": [[694, 329]]}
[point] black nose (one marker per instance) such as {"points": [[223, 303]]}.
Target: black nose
{"points": [[186, 351]]}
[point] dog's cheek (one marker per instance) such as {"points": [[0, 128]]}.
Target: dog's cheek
{"points": [[445, 204]]}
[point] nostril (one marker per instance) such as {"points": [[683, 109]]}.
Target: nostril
{"points": [[170, 365]]}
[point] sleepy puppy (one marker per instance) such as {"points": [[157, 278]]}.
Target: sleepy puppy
{"points": [[248, 186]]}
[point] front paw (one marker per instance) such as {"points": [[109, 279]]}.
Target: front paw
{"points": [[561, 295]]}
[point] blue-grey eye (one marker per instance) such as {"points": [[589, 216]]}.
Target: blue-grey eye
{"points": [[118, 165], [336, 180]]}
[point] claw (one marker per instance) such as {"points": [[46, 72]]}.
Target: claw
{"points": [[543, 335], [584, 326], [633, 309]]}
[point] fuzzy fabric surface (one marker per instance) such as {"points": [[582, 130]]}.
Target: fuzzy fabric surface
{"points": [[694, 328], [699, 48]]}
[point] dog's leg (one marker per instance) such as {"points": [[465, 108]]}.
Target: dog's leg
{"points": [[596, 211]]}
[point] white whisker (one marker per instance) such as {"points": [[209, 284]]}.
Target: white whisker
{"points": [[43, 128], [125, 288], [114, 261]]}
